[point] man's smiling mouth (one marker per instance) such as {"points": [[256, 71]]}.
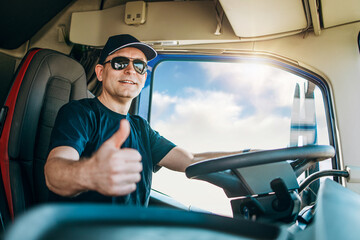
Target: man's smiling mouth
{"points": [[127, 81]]}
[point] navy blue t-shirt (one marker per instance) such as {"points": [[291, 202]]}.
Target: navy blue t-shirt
{"points": [[87, 123]]}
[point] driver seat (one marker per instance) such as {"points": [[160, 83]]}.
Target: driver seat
{"points": [[44, 81]]}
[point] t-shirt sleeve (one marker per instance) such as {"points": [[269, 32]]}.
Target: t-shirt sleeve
{"points": [[71, 128], [160, 146]]}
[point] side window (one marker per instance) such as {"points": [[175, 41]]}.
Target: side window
{"points": [[214, 106]]}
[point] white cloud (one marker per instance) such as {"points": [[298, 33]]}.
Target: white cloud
{"points": [[243, 112], [254, 82], [161, 104], [210, 121]]}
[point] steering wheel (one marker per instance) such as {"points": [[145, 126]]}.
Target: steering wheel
{"points": [[274, 176], [302, 158]]}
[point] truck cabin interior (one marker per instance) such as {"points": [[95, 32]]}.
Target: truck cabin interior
{"points": [[48, 52]]}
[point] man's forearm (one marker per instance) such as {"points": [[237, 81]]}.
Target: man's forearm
{"points": [[179, 159], [66, 177]]}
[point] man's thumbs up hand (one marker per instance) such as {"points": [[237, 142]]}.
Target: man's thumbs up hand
{"points": [[114, 171]]}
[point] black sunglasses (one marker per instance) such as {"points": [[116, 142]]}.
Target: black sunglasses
{"points": [[120, 63]]}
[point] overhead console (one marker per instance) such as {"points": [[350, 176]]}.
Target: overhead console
{"points": [[165, 23], [251, 19], [177, 23], [191, 22]]}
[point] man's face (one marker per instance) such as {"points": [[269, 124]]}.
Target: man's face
{"points": [[123, 84]]}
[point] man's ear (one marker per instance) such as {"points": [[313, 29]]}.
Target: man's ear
{"points": [[99, 70]]}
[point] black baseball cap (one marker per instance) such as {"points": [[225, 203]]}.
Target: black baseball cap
{"points": [[118, 42]]}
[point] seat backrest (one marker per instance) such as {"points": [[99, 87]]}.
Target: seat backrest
{"points": [[48, 80]]}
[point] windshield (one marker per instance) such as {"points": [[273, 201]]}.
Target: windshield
{"points": [[217, 106]]}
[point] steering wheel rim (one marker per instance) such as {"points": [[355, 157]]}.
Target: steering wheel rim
{"points": [[309, 152]]}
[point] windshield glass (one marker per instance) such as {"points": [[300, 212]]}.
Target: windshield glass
{"points": [[229, 106]]}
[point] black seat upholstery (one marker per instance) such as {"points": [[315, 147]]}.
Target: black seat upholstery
{"points": [[50, 80]]}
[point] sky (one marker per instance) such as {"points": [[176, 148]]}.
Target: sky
{"points": [[212, 106], [223, 106]]}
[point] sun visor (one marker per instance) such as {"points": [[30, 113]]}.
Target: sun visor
{"points": [[335, 12], [166, 23], [250, 19]]}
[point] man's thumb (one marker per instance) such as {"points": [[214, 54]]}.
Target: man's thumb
{"points": [[119, 137]]}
